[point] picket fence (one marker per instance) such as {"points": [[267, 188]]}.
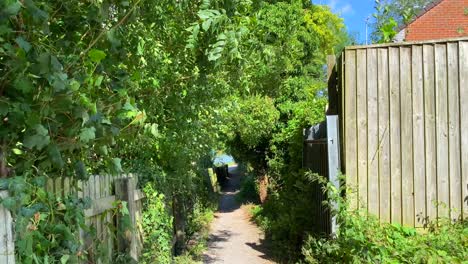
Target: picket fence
{"points": [[104, 191]]}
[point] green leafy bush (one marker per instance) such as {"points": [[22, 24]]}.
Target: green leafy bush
{"points": [[157, 228], [248, 190], [361, 238]]}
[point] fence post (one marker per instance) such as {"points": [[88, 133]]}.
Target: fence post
{"points": [[7, 246], [334, 167], [126, 240]]}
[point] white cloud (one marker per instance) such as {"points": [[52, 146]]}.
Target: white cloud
{"points": [[347, 9], [337, 6]]}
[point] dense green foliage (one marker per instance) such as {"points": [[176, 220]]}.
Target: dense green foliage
{"points": [[152, 87], [361, 238], [100, 87], [157, 229], [284, 75]]}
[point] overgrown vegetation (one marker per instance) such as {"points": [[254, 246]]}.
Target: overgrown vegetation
{"points": [[151, 87], [361, 238]]}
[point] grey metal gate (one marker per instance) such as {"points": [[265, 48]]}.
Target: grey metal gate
{"points": [[321, 156]]}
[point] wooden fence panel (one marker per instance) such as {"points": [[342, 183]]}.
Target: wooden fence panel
{"points": [[407, 137], [463, 75], [419, 161], [406, 129], [442, 129], [350, 123], [384, 138], [99, 189], [7, 246], [372, 128], [361, 101], [454, 131], [395, 134], [430, 130]]}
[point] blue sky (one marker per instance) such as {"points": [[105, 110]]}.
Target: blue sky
{"points": [[354, 13]]}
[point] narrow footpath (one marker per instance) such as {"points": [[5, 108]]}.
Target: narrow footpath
{"points": [[233, 238]]}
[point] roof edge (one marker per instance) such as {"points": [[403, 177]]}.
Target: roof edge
{"points": [[420, 14]]}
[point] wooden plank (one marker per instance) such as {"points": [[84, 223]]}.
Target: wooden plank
{"points": [[463, 68], [372, 133], [419, 162], [350, 127], [58, 187], [109, 221], [430, 131], [138, 195], [124, 189], [384, 139], [395, 135], [406, 137], [454, 131], [7, 246], [98, 219], [66, 186], [100, 205], [90, 221], [443, 190], [361, 101], [50, 185], [80, 189]]}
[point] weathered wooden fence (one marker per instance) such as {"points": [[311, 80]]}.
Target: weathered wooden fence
{"points": [[7, 247], [104, 191], [404, 112]]}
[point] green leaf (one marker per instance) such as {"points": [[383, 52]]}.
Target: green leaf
{"points": [[23, 44], [98, 81], [41, 130], [44, 63], [56, 65], [38, 140], [11, 9], [96, 55], [55, 156], [80, 170], [154, 130], [116, 165], [23, 84], [206, 25], [87, 134], [64, 259], [17, 151], [9, 203]]}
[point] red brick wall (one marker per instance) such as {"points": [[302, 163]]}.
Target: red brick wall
{"points": [[449, 19]]}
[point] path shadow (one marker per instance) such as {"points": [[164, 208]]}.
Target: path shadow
{"points": [[228, 202], [262, 247], [213, 239]]}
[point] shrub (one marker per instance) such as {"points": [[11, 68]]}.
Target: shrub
{"points": [[157, 228], [361, 238], [248, 190]]}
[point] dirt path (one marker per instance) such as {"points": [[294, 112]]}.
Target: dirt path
{"points": [[233, 238]]}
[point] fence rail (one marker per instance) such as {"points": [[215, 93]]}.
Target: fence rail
{"points": [[405, 122]]}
